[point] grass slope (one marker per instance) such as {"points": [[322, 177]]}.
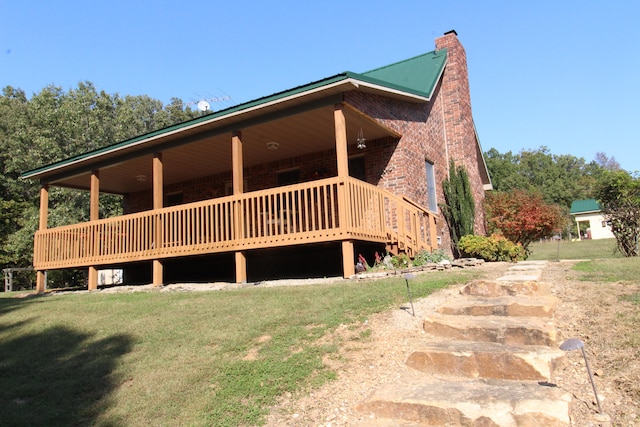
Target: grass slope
{"points": [[584, 249], [195, 358]]}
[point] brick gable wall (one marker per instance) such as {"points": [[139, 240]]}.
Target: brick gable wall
{"points": [[438, 131], [400, 167], [434, 131]]}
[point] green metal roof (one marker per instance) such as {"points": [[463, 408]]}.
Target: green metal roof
{"points": [[584, 206], [417, 76]]}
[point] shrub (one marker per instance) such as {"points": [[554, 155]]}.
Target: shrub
{"points": [[459, 209], [400, 261], [492, 248], [423, 257], [521, 216]]}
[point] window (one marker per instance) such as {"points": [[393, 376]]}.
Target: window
{"points": [[356, 168], [431, 187], [288, 177], [174, 199]]}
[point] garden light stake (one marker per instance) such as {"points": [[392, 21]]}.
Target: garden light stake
{"points": [[573, 344]]}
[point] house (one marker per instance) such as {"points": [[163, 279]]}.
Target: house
{"points": [[589, 211], [298, 181]]}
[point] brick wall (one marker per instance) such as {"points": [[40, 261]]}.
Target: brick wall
{"points": [[435, 131], [399, 165]]}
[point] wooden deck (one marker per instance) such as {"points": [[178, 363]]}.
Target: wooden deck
{"points": [[333, 209]]}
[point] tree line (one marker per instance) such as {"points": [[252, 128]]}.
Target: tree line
{"points": [[53, 125], [534, 189]]}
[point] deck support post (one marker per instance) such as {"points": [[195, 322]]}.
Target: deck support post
{"points": [[238, 188], [41, 275], [348, 256], [158, 190], [241, 267], [94, 215], [342, 158]]}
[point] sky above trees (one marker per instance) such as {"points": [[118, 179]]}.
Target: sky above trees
{"points": [[545, 73]]}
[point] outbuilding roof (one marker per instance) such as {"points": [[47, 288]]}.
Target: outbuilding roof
{"points": [[584, 206]]}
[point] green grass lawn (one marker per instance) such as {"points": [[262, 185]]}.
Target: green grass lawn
{"points": [[166, 359], [584, 249], [610, 270]]}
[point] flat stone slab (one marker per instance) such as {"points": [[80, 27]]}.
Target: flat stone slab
{"points": [[518, 305], [526, 267], [495, 288], [541, 263], [470, 403], [487, 360], [499, 329], [521, 276]]}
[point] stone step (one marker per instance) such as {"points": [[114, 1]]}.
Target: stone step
{"points": [[540, 263], [518, 305], [526, 267], [487, 360], [495, 288], [521, 276], [499, 329], [469, 403]]}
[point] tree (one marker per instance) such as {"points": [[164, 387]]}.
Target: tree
{"points": [[606, 162], [521, 216], [54, 125], [459, 207], [504, 170], [619, 195]]}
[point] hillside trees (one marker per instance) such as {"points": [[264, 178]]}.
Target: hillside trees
{"points": [[54, 125], [619, 194], [560, 179]]}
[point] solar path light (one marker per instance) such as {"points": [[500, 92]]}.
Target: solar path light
{"points": [[406, 279], [574, 344]]}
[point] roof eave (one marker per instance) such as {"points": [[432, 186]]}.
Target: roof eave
{"points": [[407, 94], [336, 83], [339, 83]]}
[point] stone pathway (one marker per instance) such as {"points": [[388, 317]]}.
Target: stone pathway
{"points": [[488, 359]]}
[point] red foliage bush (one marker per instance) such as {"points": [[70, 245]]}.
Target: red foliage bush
{"points": [[520, 216]]}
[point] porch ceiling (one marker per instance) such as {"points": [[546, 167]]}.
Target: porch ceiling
{"points": [[209, 151]]}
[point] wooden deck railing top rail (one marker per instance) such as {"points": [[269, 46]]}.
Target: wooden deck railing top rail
{"points": [[325, 210]]}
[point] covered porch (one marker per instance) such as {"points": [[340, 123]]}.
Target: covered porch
{"points": [[338, 208], [327, 210]]}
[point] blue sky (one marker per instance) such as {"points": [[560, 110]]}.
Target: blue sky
{"points": [[563, 74]]}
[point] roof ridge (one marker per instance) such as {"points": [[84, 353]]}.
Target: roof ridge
{"points": [[434, 52]]}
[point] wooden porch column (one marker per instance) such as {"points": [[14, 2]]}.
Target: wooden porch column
{"points": [[342, 154], [158, 268], [41, 275], [342, 157], [94, 215], [433, 232], [238, 188]]}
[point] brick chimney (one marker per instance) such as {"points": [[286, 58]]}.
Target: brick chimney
{"points": [[460, 136]]}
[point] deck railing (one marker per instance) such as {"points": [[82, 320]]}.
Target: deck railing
{"points": [[318, 211]]}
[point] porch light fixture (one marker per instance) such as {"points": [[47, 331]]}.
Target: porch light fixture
{"points": [[141, 178], [361, 141], [272, 145]]}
